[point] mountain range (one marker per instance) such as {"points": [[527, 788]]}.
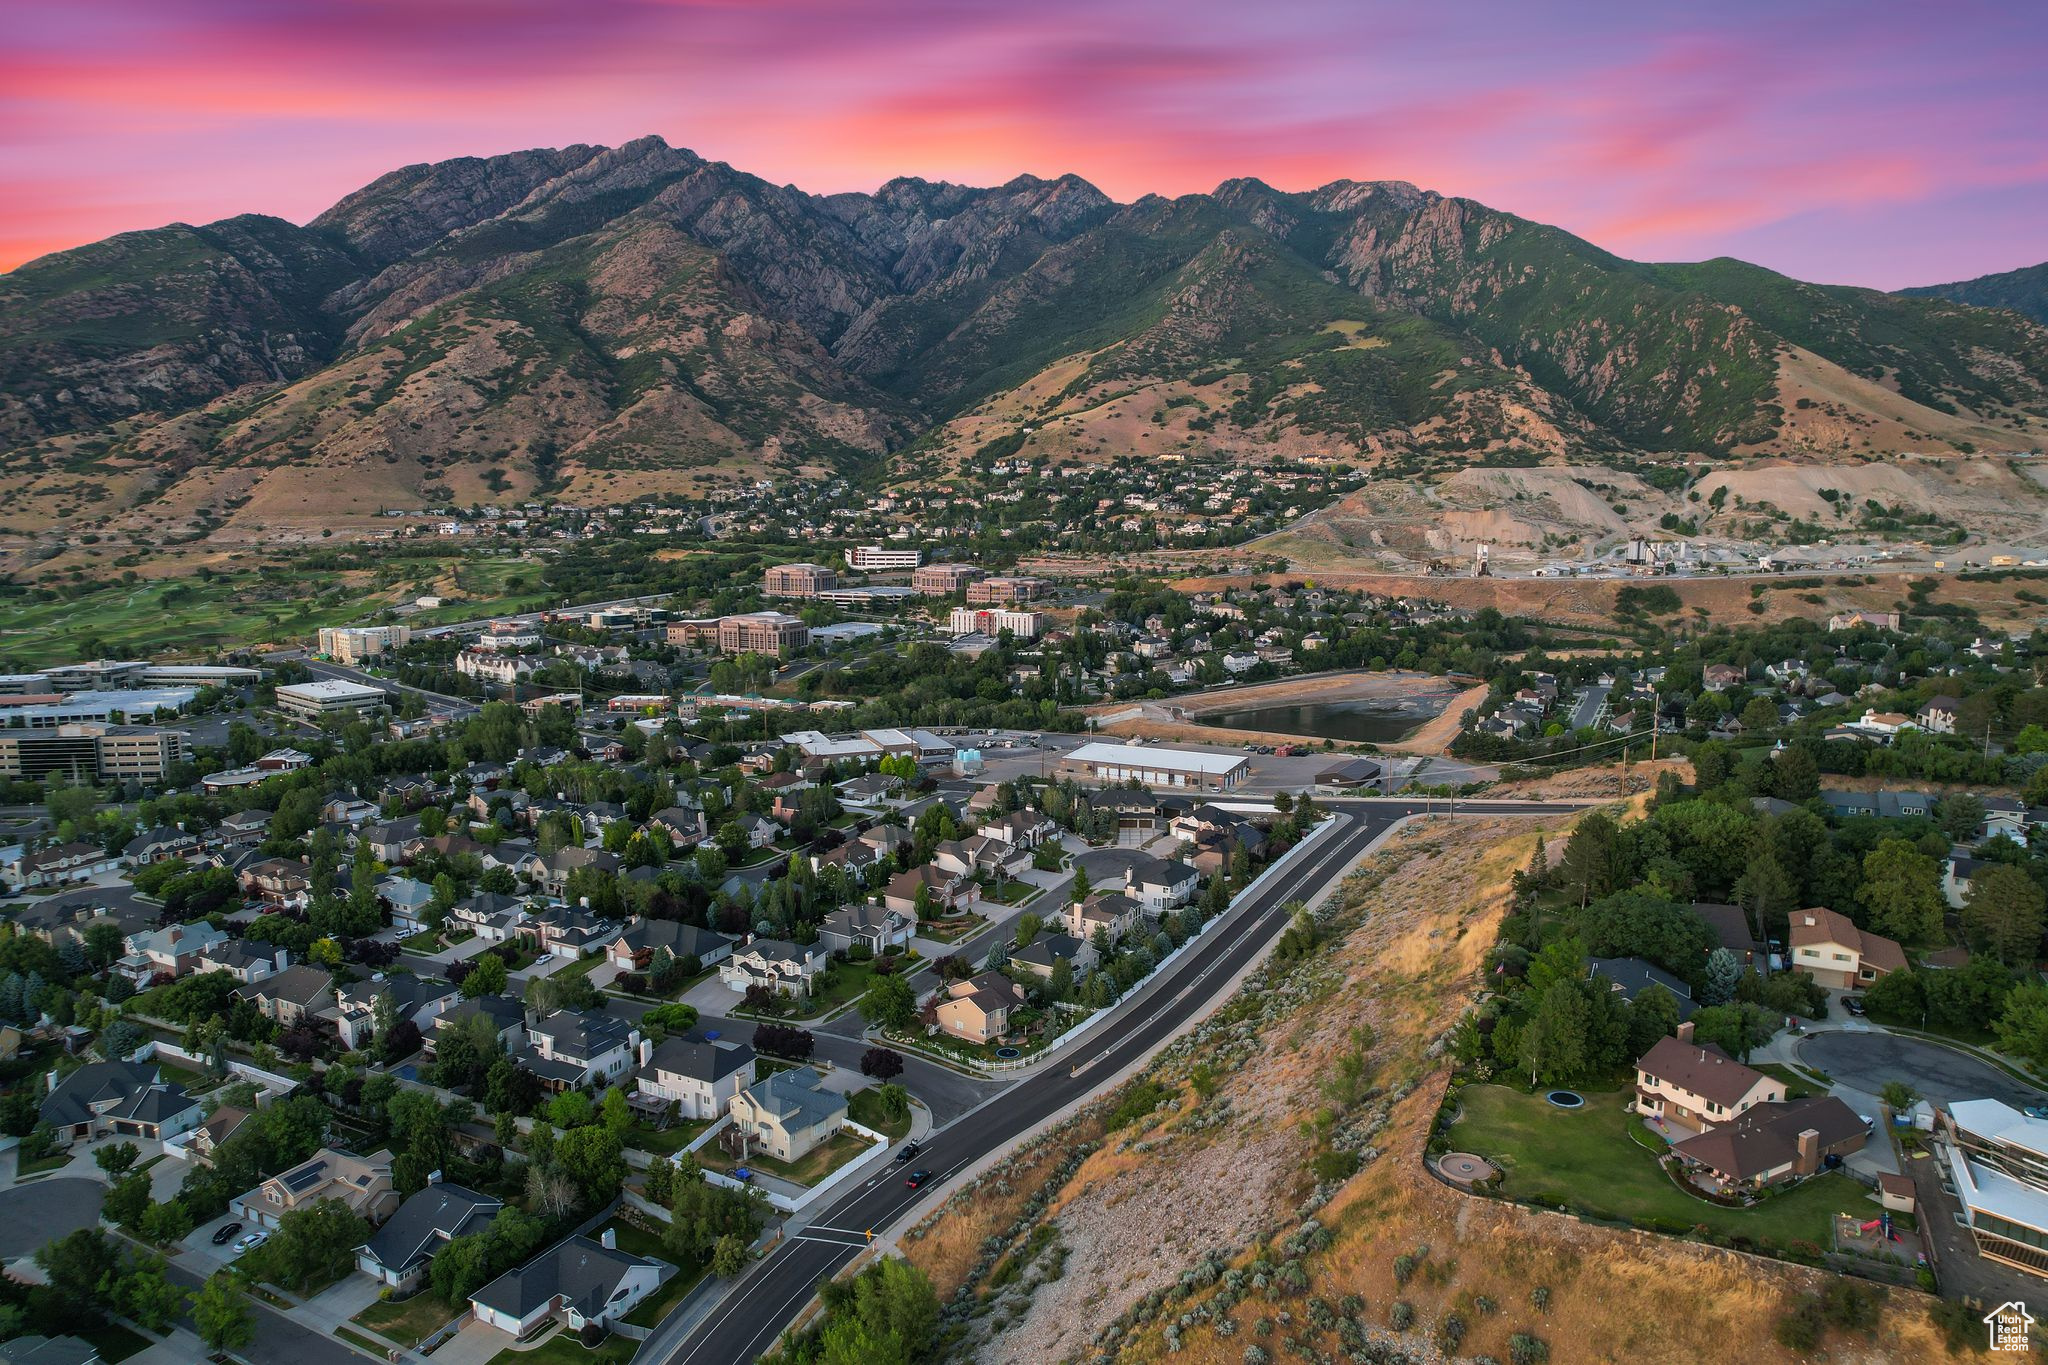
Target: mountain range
{"points": [[605, 322]]}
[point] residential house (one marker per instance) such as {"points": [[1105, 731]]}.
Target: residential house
{"points": [[398, 1254], [507, 1016], [1995, 1158], [1939, 715], [1697, 1086], [391, 841], [1038, 956], [775, 963], [418, 999], [1109, 912], [225, 1121], [1774, 1142], [290, 995], [1958, 879], [948, 892], [153, 846], [1828, 947], [1884, 805], [572, 1051], [1631, 976], [557, 868], [282, 882], [173, 951], [1730, 924], [699, 1078], [581, 1280], [407, 900], [980, 855], [633, 950], [1027, 828], [1160, 884], [489, 915], [874, 927], [361, 1183], [977, 1009], [567, 930], [684, 825], [117, 1099], [785, 1116]]}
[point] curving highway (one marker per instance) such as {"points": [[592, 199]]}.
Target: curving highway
{"points": [[775, 1290]]}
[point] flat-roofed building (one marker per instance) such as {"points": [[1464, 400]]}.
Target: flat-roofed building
{"points": [[868, 558], [1023, 625], [353, 644], [112, 753], [798, 580], [762, 632], [1997, 1159], [1114, 764], [329, 696], [987, 592], [944, 580]]}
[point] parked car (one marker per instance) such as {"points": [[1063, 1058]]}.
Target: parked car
{"points": [[1853, 1004], [227, 1231], [252, 1241], [917, 1178], [907, 1151]]}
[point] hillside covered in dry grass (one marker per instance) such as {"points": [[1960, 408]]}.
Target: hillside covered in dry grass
{"points": [[1259, 1193]]}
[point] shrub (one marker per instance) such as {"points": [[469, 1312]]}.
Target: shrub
{"points": [[1404, 1268], [1401, 1316], [1540, 1297], [1524, 1349]]}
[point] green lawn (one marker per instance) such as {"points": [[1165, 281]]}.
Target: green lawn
{"points": [[849, 983], [41, 1163], [813, 1166], [406, 1321], [636, 1240], [667, 1141], [563, 1349], [864, 1108], [651, 1310], [193, 1081], [1591, 1162], [115, 1342], [582, 966], [425, 941], [1010, 893]]}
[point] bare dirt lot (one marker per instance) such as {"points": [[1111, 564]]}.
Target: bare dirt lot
{"points": [[1162, 722]]}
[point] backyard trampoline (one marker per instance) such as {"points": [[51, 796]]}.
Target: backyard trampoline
{"points": [[1566, 1099]]}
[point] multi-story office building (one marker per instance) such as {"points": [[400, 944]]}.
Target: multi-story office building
{"points": [[111, 753], [943, 580], [354, 644], [762, 632], [798, 580], [1024, 625], [867, 558], [988, 592]]}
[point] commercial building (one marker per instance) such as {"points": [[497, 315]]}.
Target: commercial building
{"points": [[762, 632], [1115, 764], [1024, 625], [49, 709], [329, 696], [111, 753], [798, 580], [868, 558], [943, 580], [354, 644], [987, 592]]}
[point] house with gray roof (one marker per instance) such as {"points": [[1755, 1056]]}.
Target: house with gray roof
{"points": [[785, 1116], [582, 1280], [400, 1251], [699, 1078], [572, 1051], [118, 1099]]}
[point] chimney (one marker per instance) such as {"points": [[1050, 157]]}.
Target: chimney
{"points": [[433, 1177], [1685, 1032], [609, 1239], [1809, 1151]]}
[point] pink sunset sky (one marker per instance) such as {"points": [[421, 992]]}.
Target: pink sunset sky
{"points": [[1873, 143]]}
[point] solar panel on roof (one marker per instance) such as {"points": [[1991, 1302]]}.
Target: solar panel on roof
{"points": [[304, 1179]]}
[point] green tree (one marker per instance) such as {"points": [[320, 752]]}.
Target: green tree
{"points": [[2004, 913], [2022, 1026], [890, 1003], [1902, 890], [145, 1295], [116, 1157], [167, 1222], [728, 1256], [221, 1315], [1554, 1042], [1652, 1015], [487, 977], [1724, 973], [593, 1158], [886, 1315]]}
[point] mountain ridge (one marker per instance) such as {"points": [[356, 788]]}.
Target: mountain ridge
{"points": [[638, 318], [2024, 291]]}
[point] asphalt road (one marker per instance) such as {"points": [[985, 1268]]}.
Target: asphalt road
{"points": [[1866, 1060], [44, 1210], [279, 1340], [751, 1318]]}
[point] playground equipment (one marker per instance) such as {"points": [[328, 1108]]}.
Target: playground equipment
{"points": [[1882, 1221]]}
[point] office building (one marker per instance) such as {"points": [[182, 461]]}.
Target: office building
{"points": [[762, 632], [869, 558], [1024, 625], [1114, 764], [355, 644], [943, 580], [331, 696], [995, 592], [798, 580]]}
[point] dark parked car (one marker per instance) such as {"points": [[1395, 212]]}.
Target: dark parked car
{"points": [[1853, 1004], [227, 1233], [917, 1178], [907, 1151]]}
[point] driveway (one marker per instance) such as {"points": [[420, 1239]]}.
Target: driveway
{"points": [[1865, 1060], [44, 1210]]}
